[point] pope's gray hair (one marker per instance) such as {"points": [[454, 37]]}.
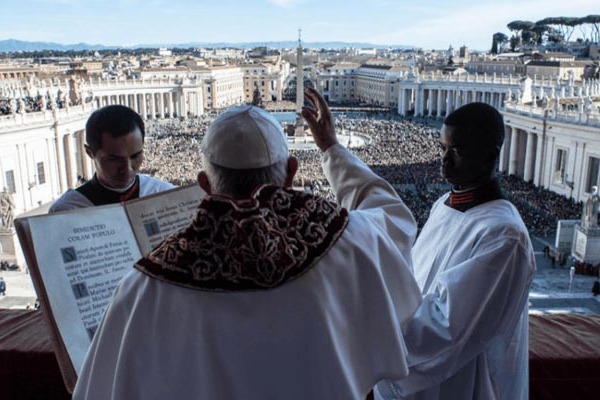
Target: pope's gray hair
{"points": [[240, 183]]}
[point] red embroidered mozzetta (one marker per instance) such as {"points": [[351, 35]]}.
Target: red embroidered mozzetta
{"points": [[253, 244]]}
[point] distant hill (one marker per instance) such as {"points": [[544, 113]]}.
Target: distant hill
{"points": [[13, 45]]}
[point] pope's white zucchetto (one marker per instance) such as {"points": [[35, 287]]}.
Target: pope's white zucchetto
{"points": [[245, 137]]}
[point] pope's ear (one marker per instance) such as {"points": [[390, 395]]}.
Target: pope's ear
{"points": [[292, 168], [204, 182]]}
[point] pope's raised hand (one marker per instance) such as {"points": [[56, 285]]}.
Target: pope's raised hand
{"points": [[319, 119]]}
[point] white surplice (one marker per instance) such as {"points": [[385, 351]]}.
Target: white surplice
{"points": [[72, 199], [469, 337], [331, 333]]}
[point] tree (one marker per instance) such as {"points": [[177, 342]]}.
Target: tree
{"points": [[594, 21], [498, 40], [565, 25], [539, 30], [514, 42], [528, 37], [523, 30], [555, 36]]}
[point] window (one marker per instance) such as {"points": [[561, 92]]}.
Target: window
{"points": [[560, 166], [41, 175], [592, 175], [10, 181]]}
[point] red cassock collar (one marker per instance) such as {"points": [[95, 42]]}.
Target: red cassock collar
{"points": [[462, 201]]}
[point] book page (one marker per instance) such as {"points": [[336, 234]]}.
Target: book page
{"points": [[81, 259], [154, 218]]}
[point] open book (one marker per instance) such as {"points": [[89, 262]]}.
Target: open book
{"points": [[77, 258]]}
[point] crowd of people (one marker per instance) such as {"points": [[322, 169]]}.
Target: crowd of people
{"points": [[172, 149], [402, 151]]}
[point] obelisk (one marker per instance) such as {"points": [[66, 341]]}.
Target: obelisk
{"points": [[299, 87]]}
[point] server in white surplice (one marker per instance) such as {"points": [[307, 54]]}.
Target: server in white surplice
{"points": [[474, 263]]}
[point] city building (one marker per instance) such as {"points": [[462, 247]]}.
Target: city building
{"points": [[553, 125]]}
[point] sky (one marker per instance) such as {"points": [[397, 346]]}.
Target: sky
{"points": [[428, 24]]}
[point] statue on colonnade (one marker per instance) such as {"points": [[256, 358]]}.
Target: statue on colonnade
{"points": [[21, 106], [74, 92], [590, 209], [7, 207]]}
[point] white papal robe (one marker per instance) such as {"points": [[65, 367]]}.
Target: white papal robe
{"points": [[331, 333], [469, 337]]}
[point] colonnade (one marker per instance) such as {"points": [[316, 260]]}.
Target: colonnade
{"points": [[522, 154], [45, 163], [437, 102], [71, 159], [156, 104], [552, 148]]}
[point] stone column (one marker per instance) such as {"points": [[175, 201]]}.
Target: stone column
{"points": [[430, 102], [200, 101], [213, 90], [23, 177], [183, 100], [51, 171], [152, 113], [514, 144], [191, 102], [456, 98], [85, 170], [438, 112], [136, 105], [538, 161], [401, 95], [278, 86], [177, 104], [170, 104], [144, 107], [60, 160], [161, 105], [529, 157], [69, 162], [420, 101]]}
